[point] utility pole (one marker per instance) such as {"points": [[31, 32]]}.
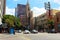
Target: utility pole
{"points": [[48, 8]]}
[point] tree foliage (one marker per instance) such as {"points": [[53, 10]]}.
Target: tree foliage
{"points": [[17, 22], [11, 20], [51, 22]]}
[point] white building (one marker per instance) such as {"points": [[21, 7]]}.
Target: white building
{"points": [[2, 9]]}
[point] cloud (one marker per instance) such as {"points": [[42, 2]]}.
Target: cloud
{"points": [[57, 1], [10, 11], [57, 8], [37, 11]]}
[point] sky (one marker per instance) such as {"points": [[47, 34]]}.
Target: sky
{"points": [[37, 6]]}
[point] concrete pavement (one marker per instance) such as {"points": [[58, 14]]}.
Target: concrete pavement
{"points": [[39, 36]]}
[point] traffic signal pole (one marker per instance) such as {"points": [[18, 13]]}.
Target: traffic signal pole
{"points": [[48, 8]]}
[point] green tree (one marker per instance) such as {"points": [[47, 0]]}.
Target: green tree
{"points": [[17, 22], [51, 23], [11, 20]]}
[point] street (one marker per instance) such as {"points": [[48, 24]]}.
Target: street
{"points": [[39, 36]]}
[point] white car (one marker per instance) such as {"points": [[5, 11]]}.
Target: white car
{"points": [[26, 32], [34, 31], [19, 31]]}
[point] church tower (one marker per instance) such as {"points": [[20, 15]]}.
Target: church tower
{"points": [[29, 15], [27, 8], [28, 11]]}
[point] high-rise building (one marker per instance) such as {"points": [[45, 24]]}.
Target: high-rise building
{"points": [[21, 13], [24, 13], [2, 9]]}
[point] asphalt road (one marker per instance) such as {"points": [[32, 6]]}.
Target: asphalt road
{"points": [[39, 36]]}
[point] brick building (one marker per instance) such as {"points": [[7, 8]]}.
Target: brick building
{"points": [[42, 20], [57, 22]]}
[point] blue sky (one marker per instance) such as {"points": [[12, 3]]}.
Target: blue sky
{"points": [[37, 6]]}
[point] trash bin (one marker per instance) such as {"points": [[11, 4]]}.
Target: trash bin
{"points": [[12, 31]]}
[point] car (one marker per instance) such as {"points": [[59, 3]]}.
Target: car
{"points": [[18, 31], [34, 31], [26, 32], [52, 31]]}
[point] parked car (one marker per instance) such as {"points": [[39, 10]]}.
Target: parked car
{"points": [[18, 31], [26, 32], [52, 31], [34, 31]]}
